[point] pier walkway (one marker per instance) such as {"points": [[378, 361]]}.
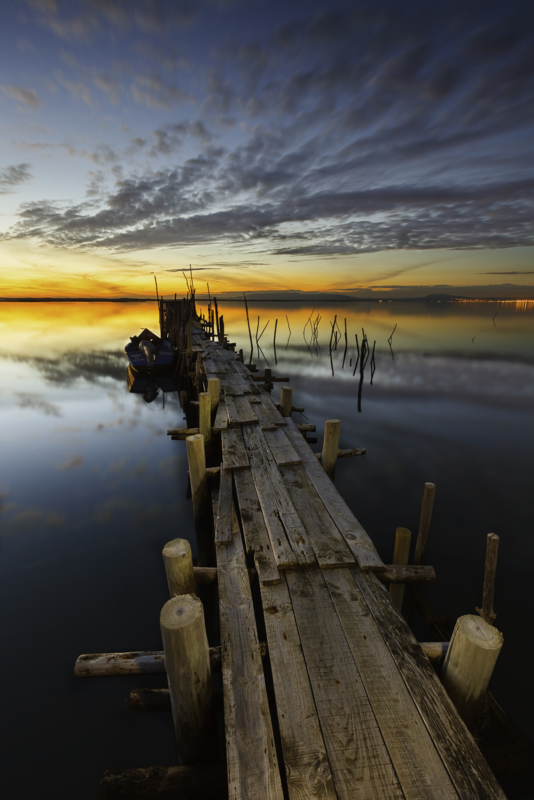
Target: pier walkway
{"points": [[359, 711]]}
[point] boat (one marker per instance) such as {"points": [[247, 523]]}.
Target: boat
{"points": [[147, 352]]}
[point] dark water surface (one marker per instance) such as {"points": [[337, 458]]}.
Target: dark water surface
{"points": [[92, 488]]}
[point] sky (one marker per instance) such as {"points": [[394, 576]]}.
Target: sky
{"points": [[361, 147]]}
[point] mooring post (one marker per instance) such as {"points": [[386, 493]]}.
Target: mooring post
{"points": [[203, 518], [286, 400], [188, 673], [492, 546], [469, 663], [189, 342], [179, 567], [420, 545], [241, 357], [204, 415], [332, 429], [400, 558], [214, 388]]}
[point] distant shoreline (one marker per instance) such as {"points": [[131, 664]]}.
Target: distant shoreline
{"points": [[307, 301]]}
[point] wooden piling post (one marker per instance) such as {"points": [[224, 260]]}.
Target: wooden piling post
{"points": [[179, 567], [486, 612], [203, 519], [214, 388], [189, 675], [420, 545], [400, 557], [189, 342], [332, 429], [469, 664], [286, 400], [204, 415]]}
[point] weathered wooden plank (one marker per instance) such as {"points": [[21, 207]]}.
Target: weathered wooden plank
{"points": [[282, 551], [281, 448], [244, 410], [306, 763], [266, 423], [354, 744], [328, 544], [272, 410], [468, 769], [273, 494], [233, 449], [252, 764], [231, 411], [357, 539], [223, 527], [413, 754], [221, 418], [256, 535]]}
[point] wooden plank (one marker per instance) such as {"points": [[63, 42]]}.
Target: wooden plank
{"points": [[272, 410], [306, 763], [256, 535], [281, 549], [246, 414], [233, 449], [231, 411], [413, 754], [327, 542], [223, 526], [280, 446], [273, 495], [221, 418], [357, 539], [266, 423], [354, 744], [252, 762], [465, 764]]}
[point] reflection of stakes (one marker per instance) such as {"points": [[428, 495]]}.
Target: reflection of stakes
{"points": [[390, 341], [330, 348], [274, 340], [304, 330], [346, 345], [289, 327], [249, 331], [261, 334], [493, 320], [362, 358]]}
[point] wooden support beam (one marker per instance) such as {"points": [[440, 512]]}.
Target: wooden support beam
{"points": [[188, 672], [214, 388], [201, 507], [159, 700], [306, 428], [486, 612], [400, 558], [179, 567], [298, 409], [204, 416], [269, 378], [181, 433], [396, 573], [332, 429], [164, 783], [354, 451], [471, 657], [420, 545]]}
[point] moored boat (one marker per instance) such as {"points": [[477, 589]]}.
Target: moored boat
{"points": [[148, 351]]}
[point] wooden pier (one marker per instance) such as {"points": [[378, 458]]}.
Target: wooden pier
{"points": [[358, 710]]}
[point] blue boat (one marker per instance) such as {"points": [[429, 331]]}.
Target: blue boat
{"points": [[147, 352]]}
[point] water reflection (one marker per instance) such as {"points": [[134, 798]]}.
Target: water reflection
{"points": [[149, 384]]}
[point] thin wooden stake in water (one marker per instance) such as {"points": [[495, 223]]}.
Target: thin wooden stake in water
{"points": [[248, 323], [486, 612], [420, 546], [289, 328], [400, 558]]}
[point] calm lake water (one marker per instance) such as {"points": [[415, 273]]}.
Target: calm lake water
{"points": [[92, 488]]}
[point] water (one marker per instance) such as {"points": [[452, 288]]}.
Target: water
{"points": [[91, 489]]}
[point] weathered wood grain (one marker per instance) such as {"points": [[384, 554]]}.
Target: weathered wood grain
{"points": [[468, 769], [256, 535], [252, 762], [354, 744], [273, 495], [417, 763], [231, 411], [244, 410], [328, 545], [266, 423], [221, 418], [306, 763], [223, 529], [272, 410], [233, 449], [357, 539], [281, 448]]}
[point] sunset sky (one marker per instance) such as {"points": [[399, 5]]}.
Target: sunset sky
{"points": [[357, 147]]}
